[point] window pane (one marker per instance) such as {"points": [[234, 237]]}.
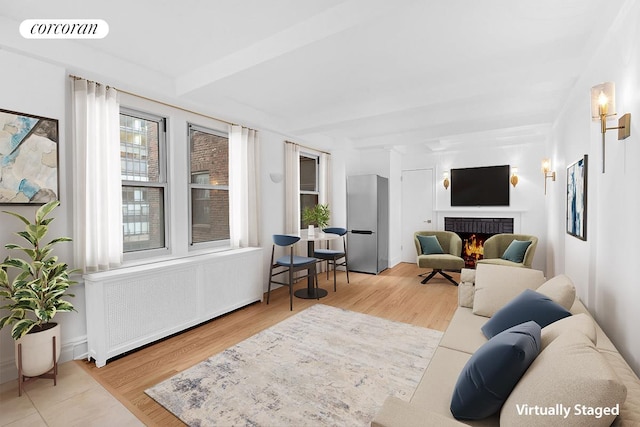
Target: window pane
{"points": [[307, 201], [209, 157], [139, 149], [209, 165], [308, 174], [142, 218], [209, 215]]}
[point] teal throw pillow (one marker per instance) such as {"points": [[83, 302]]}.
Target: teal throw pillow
{"points": [[529, 305], [430, 245], [516, 250], [493, 371]]}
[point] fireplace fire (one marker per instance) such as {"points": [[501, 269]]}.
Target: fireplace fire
{"points": [[474, 232], [472, 248]]}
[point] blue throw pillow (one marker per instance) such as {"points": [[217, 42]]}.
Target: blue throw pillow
{"points": [[516, 250], [493, 371], [529, 305], [430, 245]]}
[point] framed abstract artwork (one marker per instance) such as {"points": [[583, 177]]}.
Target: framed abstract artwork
{"points": [[577, 198], [28, 158]]}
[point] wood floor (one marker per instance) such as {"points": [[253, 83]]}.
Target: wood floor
{"points": [[395, 294]]}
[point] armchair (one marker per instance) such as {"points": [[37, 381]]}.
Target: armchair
{"points": [[496, 245], [445, 258]]}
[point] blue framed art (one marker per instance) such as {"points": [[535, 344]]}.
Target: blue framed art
{"points": [[28, 158], [577, 198]]}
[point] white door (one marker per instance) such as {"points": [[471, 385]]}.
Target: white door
{"points": [[417, 208]]}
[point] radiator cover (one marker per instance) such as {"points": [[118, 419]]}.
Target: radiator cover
{"points": [[134, 306]]}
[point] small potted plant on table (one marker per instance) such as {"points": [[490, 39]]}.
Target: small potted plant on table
{"points": [[34, 296], [317, 215]]}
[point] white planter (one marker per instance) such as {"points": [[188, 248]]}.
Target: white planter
{"points": [[37, 351], [311, 231]]}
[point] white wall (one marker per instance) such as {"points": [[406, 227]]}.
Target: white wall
{"points": [[33, 87], [272, 194], [603, 267]]}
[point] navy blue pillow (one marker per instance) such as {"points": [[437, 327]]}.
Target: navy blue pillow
{"points": [[516, 250], [430, 245], [493, 371], [529, 305]]}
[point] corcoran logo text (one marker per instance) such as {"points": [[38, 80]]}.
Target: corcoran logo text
{"points": [[64, 29]]}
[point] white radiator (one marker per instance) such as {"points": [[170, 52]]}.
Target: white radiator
{"points": [[133, 306]]}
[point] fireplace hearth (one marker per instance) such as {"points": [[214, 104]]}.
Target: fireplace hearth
{"points": [[474, 232]]}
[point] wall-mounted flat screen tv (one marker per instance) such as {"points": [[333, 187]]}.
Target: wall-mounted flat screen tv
{"points": [[481, 186]]}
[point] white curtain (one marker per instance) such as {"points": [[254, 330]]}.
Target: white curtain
{"points": [[324, 185], [97, 192], [325, 180], [292, 187], [244, 187]]}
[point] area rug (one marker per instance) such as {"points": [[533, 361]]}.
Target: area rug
{"points": [[322, 366]]}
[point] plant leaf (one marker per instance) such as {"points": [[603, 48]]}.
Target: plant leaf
{"points": [[28, 236], [20, 217], [45, 210], [48, 313], [60, 239], [21, 328], [64, 306]]}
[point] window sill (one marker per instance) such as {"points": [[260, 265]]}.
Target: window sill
{"points": [[164, 261]]}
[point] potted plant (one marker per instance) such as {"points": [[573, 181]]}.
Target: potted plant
{"points": [[35, 295], [317, 215]]}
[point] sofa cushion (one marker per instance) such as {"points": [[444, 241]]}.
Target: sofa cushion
{"points": [[516, 250], [489, 376], [397, 412], [463, 332], [430, 245], [529, 305], [602, 340], [466, 287], [630, 410], [468, 275], [580, 322], [560, 289], [569, 372], [496, 285], [465, 294], [437, 384]]}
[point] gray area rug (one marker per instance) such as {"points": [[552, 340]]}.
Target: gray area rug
{"points": [[322, 366]]}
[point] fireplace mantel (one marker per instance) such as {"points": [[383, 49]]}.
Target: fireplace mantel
{"points": [[481, 212]]}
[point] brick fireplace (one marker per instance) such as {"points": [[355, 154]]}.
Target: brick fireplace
{"points": [[474, 231]]}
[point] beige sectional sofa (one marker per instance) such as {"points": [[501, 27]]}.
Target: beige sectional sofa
{"points": [[578, 370]]}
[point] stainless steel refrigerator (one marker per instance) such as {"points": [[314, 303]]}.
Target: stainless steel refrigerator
{"points": [[368, 223]]}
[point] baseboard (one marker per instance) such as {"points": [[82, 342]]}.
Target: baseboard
{"points": [[395, 261], [74, 349]]}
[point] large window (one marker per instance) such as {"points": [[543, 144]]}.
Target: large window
{"points": [[309, 183], [209, 185], [144, 185]]}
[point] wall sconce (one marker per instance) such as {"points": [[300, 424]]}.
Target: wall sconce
{"points": [[445, 180], [548, 173], [276, 177], [514, 176], [603, 105]]}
